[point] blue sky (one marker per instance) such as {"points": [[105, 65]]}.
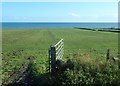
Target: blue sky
{"points": [[60, 11]]}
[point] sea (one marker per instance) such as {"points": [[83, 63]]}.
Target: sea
{"points": [[39, 25]]}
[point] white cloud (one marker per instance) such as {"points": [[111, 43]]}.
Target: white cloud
{"points": [[75, 15]]}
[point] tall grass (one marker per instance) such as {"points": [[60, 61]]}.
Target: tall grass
{"points": [[88, 71]]}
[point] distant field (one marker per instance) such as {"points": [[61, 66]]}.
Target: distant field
{"points": [[35, 43], [36, 40]]}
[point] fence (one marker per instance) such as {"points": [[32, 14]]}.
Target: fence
{"points": [[55, 53]]}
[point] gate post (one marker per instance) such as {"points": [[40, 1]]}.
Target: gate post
{"points": [[108, 54], [53, 59]]}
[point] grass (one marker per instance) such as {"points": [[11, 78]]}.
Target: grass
{"points": [[19, 44]]}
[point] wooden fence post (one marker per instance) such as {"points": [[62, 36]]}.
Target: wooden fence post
{"points": [[108, 54], [53, 59]]}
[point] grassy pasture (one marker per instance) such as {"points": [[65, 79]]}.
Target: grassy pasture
{"points": [[41, 39], [19, 44]]}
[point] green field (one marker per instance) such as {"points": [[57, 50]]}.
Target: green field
{"points": [[19, 44]]}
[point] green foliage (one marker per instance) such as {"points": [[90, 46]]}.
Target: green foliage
{"points": [[90, 73]]}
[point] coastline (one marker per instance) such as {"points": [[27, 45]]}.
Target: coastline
{"points": [[117, 30]]}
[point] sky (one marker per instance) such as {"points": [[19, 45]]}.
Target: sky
{"points": [[59, 11], [59, 0]]}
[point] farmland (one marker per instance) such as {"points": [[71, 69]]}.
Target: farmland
{"points": [[20, 44]]}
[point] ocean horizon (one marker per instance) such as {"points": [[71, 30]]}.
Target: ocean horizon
{"points": [[30, 25]]}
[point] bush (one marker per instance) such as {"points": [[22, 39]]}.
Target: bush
{"points": [[90, 71]]}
